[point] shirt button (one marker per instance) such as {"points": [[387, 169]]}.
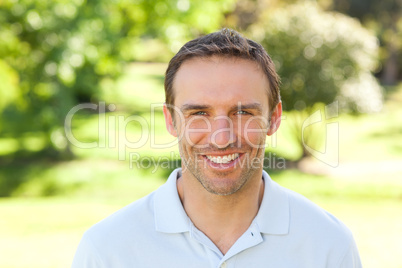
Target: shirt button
{"points": [[223, 265]]}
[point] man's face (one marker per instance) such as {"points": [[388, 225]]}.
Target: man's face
{"points": [[221, 120]]}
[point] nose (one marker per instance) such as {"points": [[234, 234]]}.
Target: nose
{"points": [[223, 133]]}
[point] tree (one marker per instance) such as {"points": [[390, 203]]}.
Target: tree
{"points": [[385, 18], [321, 57], [61, 51]]}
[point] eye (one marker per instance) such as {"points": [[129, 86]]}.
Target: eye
{"points": [[199, 113], [241, 112]]}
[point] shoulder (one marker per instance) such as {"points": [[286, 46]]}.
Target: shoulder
{"points": [[134, 219], [317, 229], [307, 216], [111, 240], [317, 233], [133, 227]]}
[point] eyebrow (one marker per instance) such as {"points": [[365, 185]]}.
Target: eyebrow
{"points": [[249, 106], [190, 107]]}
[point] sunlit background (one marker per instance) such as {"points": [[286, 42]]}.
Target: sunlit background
{"points": [[82, 132]]}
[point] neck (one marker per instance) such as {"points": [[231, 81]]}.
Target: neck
{"points": [[222, 218]]}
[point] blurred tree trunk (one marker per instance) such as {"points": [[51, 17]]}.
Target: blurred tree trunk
{"points": [[390, 74], [391, 66]]}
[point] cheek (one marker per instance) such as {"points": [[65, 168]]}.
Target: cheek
{"points": [[254, 133], [196, 131]]}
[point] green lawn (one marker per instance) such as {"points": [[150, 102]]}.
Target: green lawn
{"points": [[53, 202], [44, 232]]}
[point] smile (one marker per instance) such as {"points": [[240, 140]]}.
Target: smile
{"points": [[223, 159]]}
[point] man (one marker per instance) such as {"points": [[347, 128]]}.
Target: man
{"points": [[221, 209]]}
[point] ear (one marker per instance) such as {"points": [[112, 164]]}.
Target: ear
{"points": [[169, 121], [275, 119]]}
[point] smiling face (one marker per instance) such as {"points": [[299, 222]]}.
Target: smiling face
{"points": [[221, 119]]}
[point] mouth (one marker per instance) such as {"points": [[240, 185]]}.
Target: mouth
{"points": [[222, 162], [222, 159]]}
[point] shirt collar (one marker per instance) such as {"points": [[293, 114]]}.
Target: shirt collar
{"points": [[273, 216], [170, 216]]}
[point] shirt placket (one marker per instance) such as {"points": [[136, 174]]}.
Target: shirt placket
{"points": [[250, 238]]}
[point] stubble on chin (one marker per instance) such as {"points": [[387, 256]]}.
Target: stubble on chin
{"points": [[217, 182]]}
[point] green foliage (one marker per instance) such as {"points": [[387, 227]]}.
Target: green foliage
{"points": [[62, 51], [385, 19], [321, 57], [8, 86]]}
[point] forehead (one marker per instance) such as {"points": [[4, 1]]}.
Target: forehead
{"points": [[217, 79]]}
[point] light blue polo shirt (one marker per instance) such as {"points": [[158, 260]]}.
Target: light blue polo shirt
{"points": [[155, 231]]}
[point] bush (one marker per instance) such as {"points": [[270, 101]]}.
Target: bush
{"points": [[321, 57]]}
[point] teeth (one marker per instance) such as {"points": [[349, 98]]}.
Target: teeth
{"points": [[223, 159]]}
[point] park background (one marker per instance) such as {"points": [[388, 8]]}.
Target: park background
{"points": [[58, 177]]}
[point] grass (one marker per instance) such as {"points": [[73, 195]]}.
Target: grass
{"points": [[376, 226], [54, 202], [44, 232]]}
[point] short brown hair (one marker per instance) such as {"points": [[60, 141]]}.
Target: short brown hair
{"points": [[225, 43]]}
